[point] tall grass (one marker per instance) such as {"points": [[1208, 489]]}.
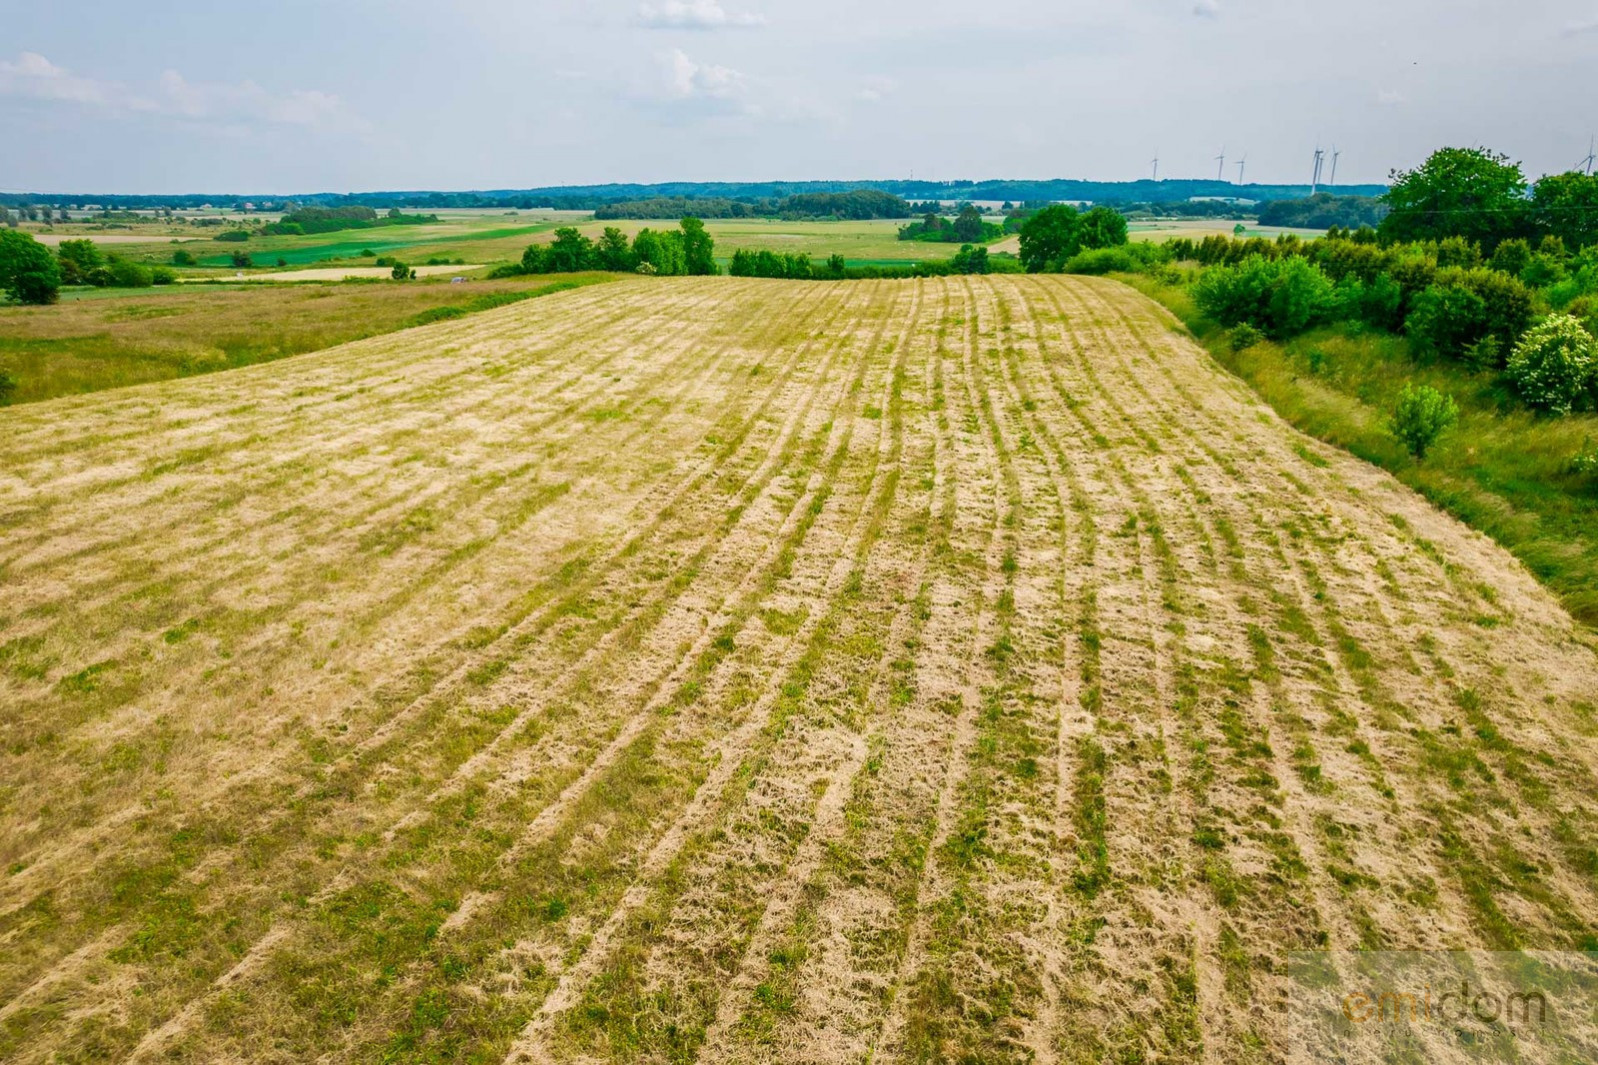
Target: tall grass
{"points": [[146, 335], [1503, 469]]}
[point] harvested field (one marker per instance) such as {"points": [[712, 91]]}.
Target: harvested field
{"points": [[724, 670]]}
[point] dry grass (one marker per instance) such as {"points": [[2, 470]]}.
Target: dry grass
{"points": [[740, 671]]}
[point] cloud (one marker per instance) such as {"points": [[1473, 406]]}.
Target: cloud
{"points": [[35, 77], [1581, 29], [1390, 97], [173, 96], [875, 90], [695, 15], [687, 79], [1207, 8]]}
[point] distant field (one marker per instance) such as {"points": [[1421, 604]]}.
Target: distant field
{"points": [[873, 241], [118, 337], [1198, 229], [737, 672]]}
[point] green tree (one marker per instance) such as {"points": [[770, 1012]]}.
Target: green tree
{"points": [[699, 250], [968, 225], [570, 252], [614, 251], [1103, 227], [28, 272], [1050, 237], [79, 259], [1421, 416], [1566, 205], [401, 272], [242, 260], [182, 258], [1458, 192]]}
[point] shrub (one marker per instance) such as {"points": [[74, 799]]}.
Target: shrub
{"points": [[1283, 297], [1244, 337], [8, 387], [242, 260], [233, 235], [182, 258], [1554, 365], [1445, 320], [162, 275], [126, 274], [1585, 461], [401, 272], [1421, 416]]}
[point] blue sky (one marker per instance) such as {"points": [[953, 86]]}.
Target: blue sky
{"points": [[301, 96]]}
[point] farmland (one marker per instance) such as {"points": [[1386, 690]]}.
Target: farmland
{"points": [[732, 670]]}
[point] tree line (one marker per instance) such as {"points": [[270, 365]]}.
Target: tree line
{"points": [[854, 205], [688, 249]]}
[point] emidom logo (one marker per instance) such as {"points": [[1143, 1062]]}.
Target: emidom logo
{"points": [[1394, 1006], [1439, 1007]]}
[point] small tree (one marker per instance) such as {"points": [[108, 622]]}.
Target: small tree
{"points": [[1103, 227], [28, 272], [8, 387], [1422, 415], [1050, 236], [401, 272], [1555, 365], [182, 258], [242, 260]]}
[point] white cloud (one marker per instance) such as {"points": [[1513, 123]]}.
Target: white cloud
{"points": [[1390, 97], [876, 89], [1582, 29], [695, 15], [687, 79], [245, 103], [1207, 8], [35, 77]]}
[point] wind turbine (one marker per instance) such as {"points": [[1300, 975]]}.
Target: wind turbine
{"points": [[1332, 184], [1220, 170], [1587, 162], [1315, 181], [1156, 164], [1241, 163]]}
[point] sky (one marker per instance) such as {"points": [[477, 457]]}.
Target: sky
{"points": [[359, 95]]}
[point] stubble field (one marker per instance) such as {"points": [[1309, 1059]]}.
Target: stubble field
{"points": [[724, 670]]}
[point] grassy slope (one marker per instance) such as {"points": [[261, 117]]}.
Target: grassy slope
{"points": [[1503, 470], [144, 335]]}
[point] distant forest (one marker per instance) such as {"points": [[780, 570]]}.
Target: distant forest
{"points": [[595, 197], [854, 205]]}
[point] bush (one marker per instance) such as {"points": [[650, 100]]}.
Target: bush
{"points": [[8, 387], [182, 258], [1555, 365], [1244, 337], [162, 275], [125, 274], [233, 236], [1446, 320], [1585, 461], [242, 260], [401, 272], [1283, 297], [1421, 416]]}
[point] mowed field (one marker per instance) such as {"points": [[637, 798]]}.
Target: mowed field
{"points": [[726, 670]]}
